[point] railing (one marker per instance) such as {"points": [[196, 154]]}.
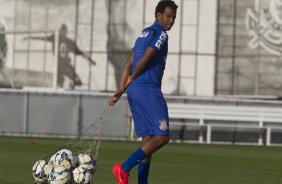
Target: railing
{"points": [[261, 116]]}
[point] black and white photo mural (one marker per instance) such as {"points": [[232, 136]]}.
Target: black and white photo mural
{"points": [[83, 44]]}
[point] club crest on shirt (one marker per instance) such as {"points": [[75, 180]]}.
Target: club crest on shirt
{"points": [[163, 124]]}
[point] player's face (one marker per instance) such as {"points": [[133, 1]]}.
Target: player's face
{"points": [[63, 32], [167, 18]]}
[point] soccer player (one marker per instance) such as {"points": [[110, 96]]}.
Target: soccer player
{"points": [[66, 46], [141, 77], [3, 43]]}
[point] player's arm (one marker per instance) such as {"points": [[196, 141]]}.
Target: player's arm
{"points": [[124, 78], [141, 65], [47, 38], [87, 56], [5, 46], [83, 54]]}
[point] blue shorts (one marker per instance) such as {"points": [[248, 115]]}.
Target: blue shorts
{"points": [[149, 111]]}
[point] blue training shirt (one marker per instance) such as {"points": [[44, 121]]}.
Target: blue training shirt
{"points": [[155, 37]]}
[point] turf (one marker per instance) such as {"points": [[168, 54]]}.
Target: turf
{"points": [[174, 164]]}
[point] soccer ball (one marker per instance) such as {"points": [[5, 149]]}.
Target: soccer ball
{"points": [[84, 158], [63, 157], [40, 171], [53, 158], [59, 174], [82, 175], [88, 161]]}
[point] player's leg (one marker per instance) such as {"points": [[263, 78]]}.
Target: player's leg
{"points": [[1, 59], [153, 143], [149, 111], [77, 80], [136, 111], [121, 171], [143, 170], [144, 166], [133, 159], [60, 78], [122, 174], [70, 73], [142, 102], [61, 73], [149, 144]]}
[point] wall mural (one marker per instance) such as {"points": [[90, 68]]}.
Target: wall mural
{"points": [[264, 25]]}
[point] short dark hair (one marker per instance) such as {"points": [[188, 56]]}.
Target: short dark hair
{"points": [[64, 27], [160, 8]]}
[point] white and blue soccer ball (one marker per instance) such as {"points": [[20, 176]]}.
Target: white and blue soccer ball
{"points": [[81, 175], [63, 157], [88, 161], [59, 174], [40, 171]]}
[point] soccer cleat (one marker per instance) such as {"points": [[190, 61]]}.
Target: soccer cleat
{"points": [[121, 176]]}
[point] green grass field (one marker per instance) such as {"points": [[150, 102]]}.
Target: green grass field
{"points": [[174, 164]]}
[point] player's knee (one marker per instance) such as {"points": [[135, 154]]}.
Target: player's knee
{"points": [[165, 139]]}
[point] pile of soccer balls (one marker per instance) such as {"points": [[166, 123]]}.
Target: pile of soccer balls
{"points": [[65, 168]]}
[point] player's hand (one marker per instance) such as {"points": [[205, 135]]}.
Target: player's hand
{"points": [[88, 57], [92, 61], [115, 97], [129, 81]]}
